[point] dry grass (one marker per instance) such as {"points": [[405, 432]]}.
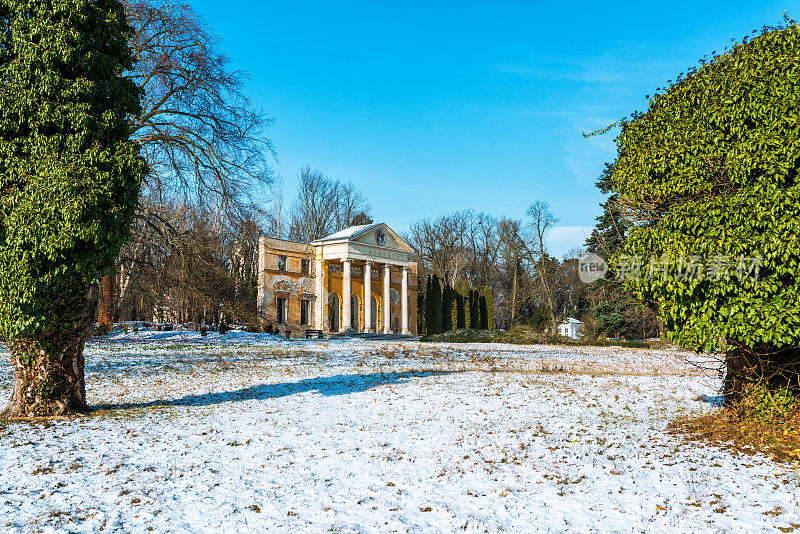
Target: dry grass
{"points": [[728, 428]]}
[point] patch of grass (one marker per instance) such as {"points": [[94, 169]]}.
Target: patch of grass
{"points": [[43, 471], [516, 337], [611, 343], [742, 430], [524, 336]]}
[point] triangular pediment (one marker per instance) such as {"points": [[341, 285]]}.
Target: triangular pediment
{"points": [[383, 236], [378, 234]]}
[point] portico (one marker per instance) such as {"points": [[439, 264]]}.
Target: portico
{"points": [[363, 280]]}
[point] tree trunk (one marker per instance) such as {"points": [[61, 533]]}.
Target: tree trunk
{"points": [[107, 304], [49, 371], [772, 367], [736, 374]]}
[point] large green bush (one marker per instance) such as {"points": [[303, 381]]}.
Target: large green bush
{"points": [[69, 181], [710, 170]]}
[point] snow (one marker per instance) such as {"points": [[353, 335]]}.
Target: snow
{"points": [[254, 433], [349, 232]]}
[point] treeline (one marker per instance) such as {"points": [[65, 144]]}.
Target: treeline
{"points": [[525, 285], [207, 274], [441, 308]]}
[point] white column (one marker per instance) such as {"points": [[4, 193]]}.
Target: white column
{"points": [[387, 280], [367, 300], [346, 296], [404, 302], [319, 293]]}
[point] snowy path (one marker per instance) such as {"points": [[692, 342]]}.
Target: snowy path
{"points": [[265, 435]]}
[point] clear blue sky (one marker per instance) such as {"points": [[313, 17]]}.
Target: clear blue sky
{"points": [[430, 107]]}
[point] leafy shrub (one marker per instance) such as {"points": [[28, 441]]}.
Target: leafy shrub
{"points": [[710, 169], [125, 328], [763, 405], [102, 329], [135, 328], [268, 329], [223, 328], [203, 330], [251, 327], [70, 176]]}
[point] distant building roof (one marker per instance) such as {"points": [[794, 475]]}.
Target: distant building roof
{"points": [[348, 233], [571, 320]]}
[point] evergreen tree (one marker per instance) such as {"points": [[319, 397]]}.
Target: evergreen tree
{"points": [[474, 310], [463, 290], [421, 306], [447, 308], [483, 312], [487, 292], [428, 304], [608, 235], [434, 320], [468, 318], [69, 184], [461, 319]]}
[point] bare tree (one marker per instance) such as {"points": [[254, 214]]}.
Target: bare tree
{"points": [[204, 143], [202, 139], [541, 222], [352, 208], [441, 244], [512, 249], [323, 206], [484, 242], [529, 243]]}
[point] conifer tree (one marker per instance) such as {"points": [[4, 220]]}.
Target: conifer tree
{"points": [[474, 310], [447, 308], [483, 312], [487, 293], [69, 184], [468, 317], [461, 321], [434, 320], [421, 307]]}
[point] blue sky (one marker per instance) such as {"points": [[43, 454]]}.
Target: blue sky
{"points": [[430, 107]]}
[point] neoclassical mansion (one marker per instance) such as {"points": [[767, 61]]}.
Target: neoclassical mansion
{"points": [[361, 279]]}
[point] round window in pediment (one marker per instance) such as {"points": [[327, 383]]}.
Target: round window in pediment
{"points": [[380, 237]]}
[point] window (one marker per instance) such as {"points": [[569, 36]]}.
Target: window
{"points": [[305, 308], [281, 317], [305, 266], [281, 263]]}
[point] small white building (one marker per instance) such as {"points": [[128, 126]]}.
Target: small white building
{"points": [[572, 328]]}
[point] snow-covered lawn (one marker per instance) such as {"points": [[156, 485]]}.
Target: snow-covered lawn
{"points": [[252, 433]]}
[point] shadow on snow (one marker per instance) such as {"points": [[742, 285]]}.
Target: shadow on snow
{"points": [[327, 386]]}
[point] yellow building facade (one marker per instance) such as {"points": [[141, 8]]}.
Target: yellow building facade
{"points": [[361, 279]]}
